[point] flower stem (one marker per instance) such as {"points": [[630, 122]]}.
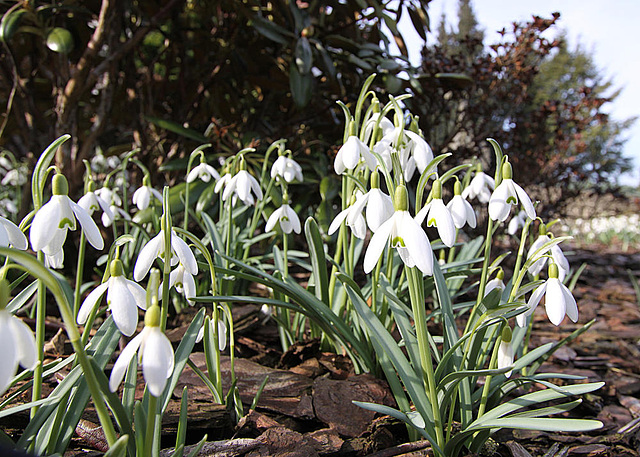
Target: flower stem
{"points": [[79, 270]]}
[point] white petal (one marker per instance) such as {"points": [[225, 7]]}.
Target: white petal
{"points": [[525, 201], [505, 356], [184, 253], [141, 197], [90, 302], [45, 219], [378, 242], [147, 256], [571, 306], [533, 302], [193, 174], [189, 286], [555, 303], [337, 221], [9, 356], [121, 365], [123, 305], [379, 209], [350, 153], [157, 361], [89, 227], [273, 220], [498, 207], [25, 343], [222, 336], [416, 241], [444, 222], [15, 235]]}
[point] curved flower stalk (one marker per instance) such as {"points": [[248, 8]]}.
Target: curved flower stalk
{"points": [[91, 201], [558, 300], [556, 254], [16, 340], [124, 297], [402, 232], [508, 194], [480, 187], [52, 221], [11, 235], [180, 252], [155, 354], [286, 217], [143, 195], [439, 216], [286, 168], [461, 210]]}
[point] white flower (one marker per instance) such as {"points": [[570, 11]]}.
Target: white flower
{"points": [[242, 185], [287, 218], [462, 212], [413, 151], [142, 196], [124, 297], [15, 177], [507, 194], [516, 222], [556, 254], [52, 221], [115, 205], [203, 171], [286, 168], [91, 202], [18, 347], [353, 216], [183, 282], [505, 356], [402, 232], [558, 300], [350, 153], [155, 353], [222, 334], [496, 283], [379, 208], [385, 126], [480, 186], [155, 248], [438, 215], [10, 234]]}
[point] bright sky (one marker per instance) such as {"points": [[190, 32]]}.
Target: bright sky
{"points": [[608, 29]]}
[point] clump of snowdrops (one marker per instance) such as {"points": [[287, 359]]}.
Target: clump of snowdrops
{"points": [[394, 259]]}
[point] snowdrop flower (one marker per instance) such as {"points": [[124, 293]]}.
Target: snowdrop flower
{"points": [[558, 300], [402, 232], [516, 222], [124, 297], [353, 216], [222, 334], [242, 185], [495, 283], [180, 252], [413, 151], [16, 340], [507, 194], [461, 210], [480, 186], [115, 205], [10, 234], [142, 196], [91, 201], [50, 224], [385, 125], [287, 218], [505, 350], [350, 153], [184, 283], [155, 353], [438, 215], [204, 172], [556, 254], [286, 168], [14, 177]]}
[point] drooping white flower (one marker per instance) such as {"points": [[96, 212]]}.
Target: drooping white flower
{"points": [[556, 254], [413, 151], [143, 195], [350, 153], [480, 186], [558, 300], [155, 354], [115, 205], [183, 281], [222, 334], [286, 168], [204, 172], [124, 297], [508, 194], [17, 342], [516, 222], [242, 185], [52, 221], [286, 217], [439, 216], [10, 234], [91, 201], [180, 252], [353, 216], [461, 210], [402, 232], [495, 283], [384, 124], [505, 350]]}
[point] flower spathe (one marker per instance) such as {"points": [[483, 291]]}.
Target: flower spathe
{"points": [[180, 252], [155, 354], [204, 172], [402, 232], [286, 217], [558, 300], [124, 297], [52, 221], [286, 168], [509, 194]]}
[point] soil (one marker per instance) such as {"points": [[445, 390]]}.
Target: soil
{"points": [[306, 406]]}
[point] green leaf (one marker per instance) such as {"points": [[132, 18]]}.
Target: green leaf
{"points": [[40, 170], [119, 448], [303, 55], [60, 40], [178, 129], [271, 30], [547, 424], [10, 24], [301, 85], [318, 260]]}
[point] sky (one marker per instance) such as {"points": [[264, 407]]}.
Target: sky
{"points": [[606, 29]]}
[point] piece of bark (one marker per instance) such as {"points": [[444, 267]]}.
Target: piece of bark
{"points": [[227, 448], [516, 449]]}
